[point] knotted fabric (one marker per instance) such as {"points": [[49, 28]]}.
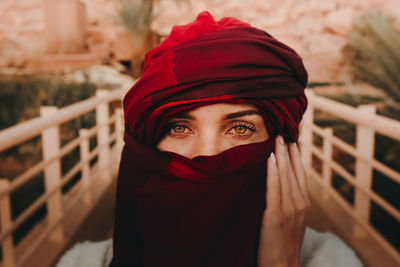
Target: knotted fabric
{"points": [[205, 211]]}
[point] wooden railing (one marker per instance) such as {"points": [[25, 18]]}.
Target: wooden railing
{"points": [[58, 203], [355, 219]]}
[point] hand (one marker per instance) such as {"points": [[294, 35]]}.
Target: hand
{"points": [[284, 220]]}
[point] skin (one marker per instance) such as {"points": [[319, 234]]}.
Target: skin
{"points": [[211, 129]]}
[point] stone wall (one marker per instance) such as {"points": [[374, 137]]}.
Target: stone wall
{"points": [[21, 30], [317, 29], [65, 26]]}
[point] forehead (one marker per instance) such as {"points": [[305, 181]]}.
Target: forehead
{"points": [[223, 110], [224, 107]]}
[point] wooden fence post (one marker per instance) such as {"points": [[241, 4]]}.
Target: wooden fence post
{"points": [[5, 221], [84, 150], [52, 173], [103, 134], [327, 152], [119, 128], [365, 144]]}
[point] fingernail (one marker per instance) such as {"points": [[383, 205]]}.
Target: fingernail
{"points": [[272, 156], [280, 140]]}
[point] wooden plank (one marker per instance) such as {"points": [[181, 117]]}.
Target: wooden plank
{"points": [[329, 215], [52, 172], [101, 190]]}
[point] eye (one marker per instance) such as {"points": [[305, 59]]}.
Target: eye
{"points": [[242, 129], [179, 129]]}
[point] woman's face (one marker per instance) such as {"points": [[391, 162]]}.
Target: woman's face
{"points": [[211, 129]]}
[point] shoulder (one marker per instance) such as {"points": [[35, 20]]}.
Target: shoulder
{"points": [[326, 249], [93, 254]]}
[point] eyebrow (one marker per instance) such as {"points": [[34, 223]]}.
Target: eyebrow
{"points": [[241, 114], [227, 117], [184, 116]]}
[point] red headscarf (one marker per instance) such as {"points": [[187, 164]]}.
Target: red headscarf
{"points": [[206, 211]]}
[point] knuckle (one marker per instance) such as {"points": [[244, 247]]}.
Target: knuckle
{"points": [[301, 208], [274, 219], [289, 212], [279, 220], [274, 214]]}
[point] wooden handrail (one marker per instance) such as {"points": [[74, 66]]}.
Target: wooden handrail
{"points": [[350, 212], [50, 228], [42, 199], [48, 126], [34, 170], [367, 125], [26, 130], [350, 179], [395, 176], [380, 124]]}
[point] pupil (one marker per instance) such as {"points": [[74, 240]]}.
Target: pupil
{"points": [[179, 129], [240, 129]]}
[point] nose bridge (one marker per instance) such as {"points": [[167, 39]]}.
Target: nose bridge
{"points": [[208, 142]]}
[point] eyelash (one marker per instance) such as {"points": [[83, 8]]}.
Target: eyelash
{"points": [[170, 127], [246, 125]]}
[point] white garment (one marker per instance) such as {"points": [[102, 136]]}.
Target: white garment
{"points": [[318, 250]]}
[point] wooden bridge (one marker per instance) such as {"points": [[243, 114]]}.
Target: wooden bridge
{"points": [[84, 210]]}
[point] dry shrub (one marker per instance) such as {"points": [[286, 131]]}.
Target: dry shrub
{"points": [[373, 53]]}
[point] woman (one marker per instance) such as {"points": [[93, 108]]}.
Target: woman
{"points": [[210, 173]]}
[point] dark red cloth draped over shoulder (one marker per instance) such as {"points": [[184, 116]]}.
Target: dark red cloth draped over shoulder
{"points": [[206, 211]]}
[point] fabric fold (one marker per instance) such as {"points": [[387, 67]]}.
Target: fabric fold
{"points": [[206, 59], [205, 211]]}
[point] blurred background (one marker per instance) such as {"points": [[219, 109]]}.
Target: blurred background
{"points": [[66, 64]]}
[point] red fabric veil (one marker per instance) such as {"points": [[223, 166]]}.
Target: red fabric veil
{"points": [[206, 211]]}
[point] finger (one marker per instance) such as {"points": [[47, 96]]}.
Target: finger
{"points": [[283, 162], [299, 201], [273, 195], [299, 170]]}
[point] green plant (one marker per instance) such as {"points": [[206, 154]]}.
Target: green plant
{"points": [[21, 97], [374, 54], [136, 15], [20, 100]]}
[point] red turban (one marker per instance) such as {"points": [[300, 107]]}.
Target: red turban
{"points": [[206, 211]]}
